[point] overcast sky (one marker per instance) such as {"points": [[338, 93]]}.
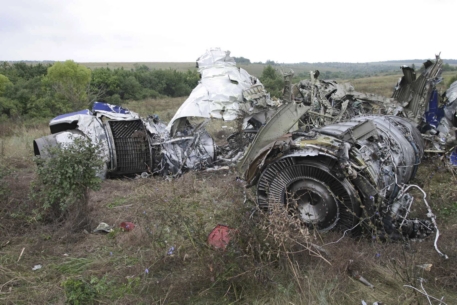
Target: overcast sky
{"points": [[172, 30]]}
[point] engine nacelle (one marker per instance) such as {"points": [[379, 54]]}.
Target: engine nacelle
{"points": [[333, 176]]}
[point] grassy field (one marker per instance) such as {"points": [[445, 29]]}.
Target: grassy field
{"points": [[254, 69], [384, 85], [257, 68], [165, 259]]}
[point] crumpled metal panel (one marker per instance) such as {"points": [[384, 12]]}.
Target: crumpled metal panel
{"points": [[113, 111], [279, 124], [98, 109], [89, 125], [447, 125], [157, 130], [70, 117], [332, 102], [215, 57], [451, 92], [41, 145], [195, 152], [219, 93], [414, 93]]}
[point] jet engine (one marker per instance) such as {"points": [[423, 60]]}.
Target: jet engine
{"points": [[340, 174]]}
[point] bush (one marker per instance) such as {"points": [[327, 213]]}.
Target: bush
{"points": [[65, 178], [149, 93], [114, 99], [79, 292], [273, 81]]}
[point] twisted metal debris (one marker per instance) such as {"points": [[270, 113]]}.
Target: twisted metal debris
{"points": [[337, 158]]}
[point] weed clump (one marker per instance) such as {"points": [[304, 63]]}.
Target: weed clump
{"points": [[64, 180], [79, 291]]}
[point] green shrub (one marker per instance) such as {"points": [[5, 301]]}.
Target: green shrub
{"points": [[114, 99], [81, 292], [65, 178], [273, 81]]}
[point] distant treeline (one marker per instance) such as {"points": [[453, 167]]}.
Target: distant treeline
{"points": [[45, 90], [242, 60]]}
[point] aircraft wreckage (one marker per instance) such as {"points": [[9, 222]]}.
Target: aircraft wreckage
{"points": [[332, 155]]}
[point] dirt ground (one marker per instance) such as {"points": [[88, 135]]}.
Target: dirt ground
{"points": [[165, 259]]}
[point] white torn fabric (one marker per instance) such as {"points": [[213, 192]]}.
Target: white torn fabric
{"points": [[219, 93]]}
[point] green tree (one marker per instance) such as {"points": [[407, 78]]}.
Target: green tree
{"points": [[70, 82], [131, 88], [242, 60], [4, 83], [104, 80], [269, 72], [273, 81], [9, 108]]}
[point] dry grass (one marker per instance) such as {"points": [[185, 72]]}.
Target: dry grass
{"points": [[165, 108], [16, 142], [262, 265], [384, 85]]}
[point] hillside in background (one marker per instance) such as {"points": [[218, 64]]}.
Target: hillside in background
{"points": [[329, 70]]}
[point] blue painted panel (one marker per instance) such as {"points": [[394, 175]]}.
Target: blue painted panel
{"points": [[65, 115], [98, 106]]}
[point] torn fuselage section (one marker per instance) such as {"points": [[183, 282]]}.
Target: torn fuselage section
{"points": [[414, 93], [441, 122], [433, 113], [192, 149], [135, 145], [224, 92], [130, 144], [120, 134]]}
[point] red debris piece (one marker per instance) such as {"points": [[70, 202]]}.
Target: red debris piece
{"points": [[220, 236], [127, 226]]}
